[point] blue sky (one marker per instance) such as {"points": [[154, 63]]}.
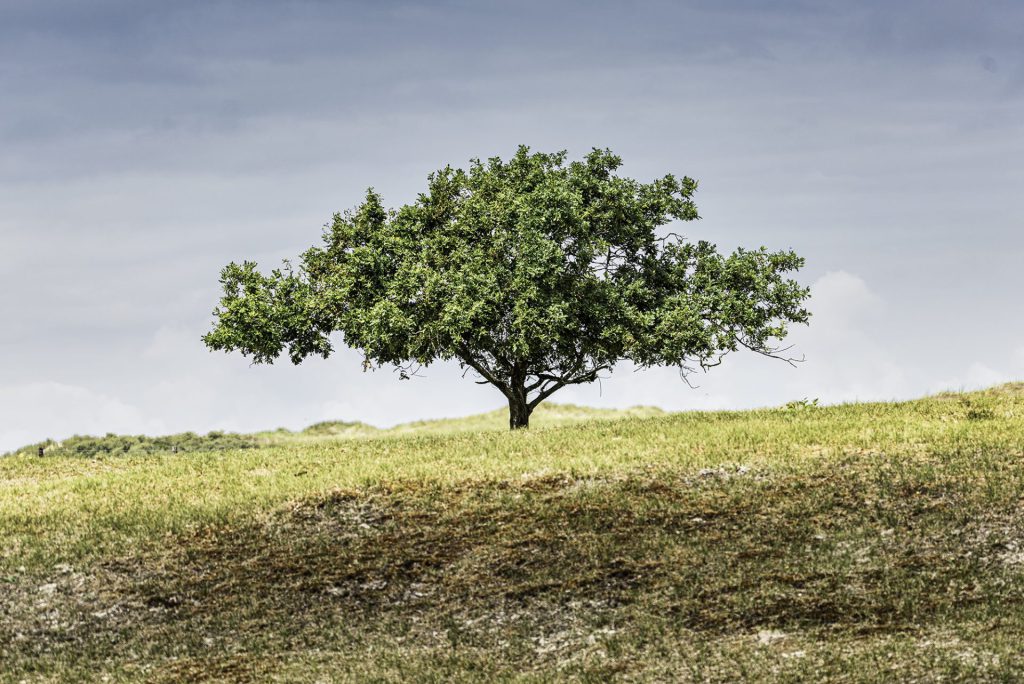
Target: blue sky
{"points": [[144, 145]]}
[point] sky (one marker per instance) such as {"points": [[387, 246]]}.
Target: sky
{"points": [[143, 145]]}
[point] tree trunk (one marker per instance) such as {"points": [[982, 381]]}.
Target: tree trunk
{"points": [[518, 413]]}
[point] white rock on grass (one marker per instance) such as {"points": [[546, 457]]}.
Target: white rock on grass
{"points": [[770, 636]]}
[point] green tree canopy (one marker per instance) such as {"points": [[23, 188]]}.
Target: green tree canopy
{"points": [[534, 273]]}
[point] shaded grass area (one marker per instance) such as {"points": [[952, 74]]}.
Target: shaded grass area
{"points": [[861, 543]]}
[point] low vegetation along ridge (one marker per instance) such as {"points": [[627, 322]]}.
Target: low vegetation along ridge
{"points": [[186, 442], [866, 542]]}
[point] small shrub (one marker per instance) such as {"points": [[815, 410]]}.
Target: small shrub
{"points": [[801, 404], [976, 409], [335, 427]]}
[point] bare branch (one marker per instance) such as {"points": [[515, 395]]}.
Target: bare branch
{"points": [[773, 353], [467, 357], [558, 382], [409, 370]]}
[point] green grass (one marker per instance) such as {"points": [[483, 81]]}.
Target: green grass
{"points": [[868, 542]]}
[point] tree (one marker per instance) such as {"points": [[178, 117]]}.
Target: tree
{"points": [[534, 273]]}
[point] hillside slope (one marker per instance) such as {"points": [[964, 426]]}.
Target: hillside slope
{"points": [[869, 542]]}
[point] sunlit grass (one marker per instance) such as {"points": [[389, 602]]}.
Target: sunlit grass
{"points": [[858, 532]]}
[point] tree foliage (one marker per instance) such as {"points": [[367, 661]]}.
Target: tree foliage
{"points": [[535, 273]]}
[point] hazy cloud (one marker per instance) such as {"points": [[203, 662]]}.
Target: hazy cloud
{"points": [[35, 409]]}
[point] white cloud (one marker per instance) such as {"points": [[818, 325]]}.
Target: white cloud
{"points": [[976, 376], [840, 299], [36, 410], [848, 349], [979, 376]]}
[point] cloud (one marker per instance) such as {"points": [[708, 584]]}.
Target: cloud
{"points": [[840, 299], [35, 410], [848, 349], [976, 376]]}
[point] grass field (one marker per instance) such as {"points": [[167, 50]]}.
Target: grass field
{"points": [[858, 543]]}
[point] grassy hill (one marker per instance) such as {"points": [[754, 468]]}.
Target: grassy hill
{"points": [[868, 542]]}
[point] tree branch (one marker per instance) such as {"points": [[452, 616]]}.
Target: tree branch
{"points": [[772, 353], [467, 357], [560, 382]]}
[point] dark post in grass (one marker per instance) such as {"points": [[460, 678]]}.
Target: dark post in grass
{"points": [[535, 273]]}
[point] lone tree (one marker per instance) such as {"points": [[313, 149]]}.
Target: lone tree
{"points": [[534, 273]]}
